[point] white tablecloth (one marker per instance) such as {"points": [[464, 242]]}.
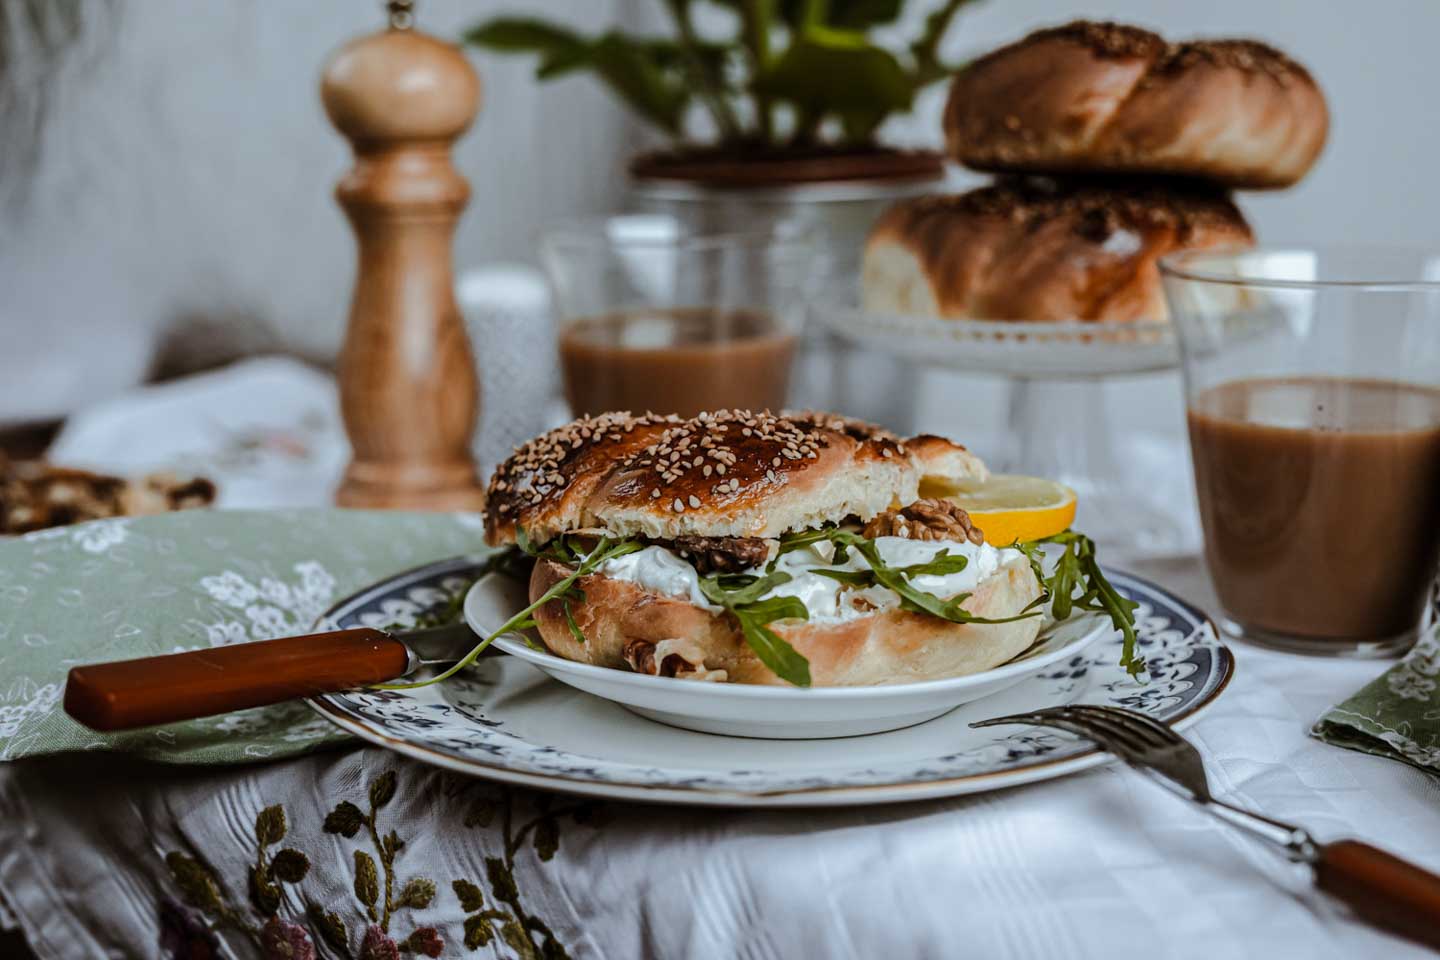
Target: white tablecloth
{"points": [[1102, 864]]}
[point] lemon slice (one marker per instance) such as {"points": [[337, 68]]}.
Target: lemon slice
{"points": [[1009, 507]]}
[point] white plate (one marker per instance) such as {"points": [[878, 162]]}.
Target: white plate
{"points": [[781, 713], [506, 720]]}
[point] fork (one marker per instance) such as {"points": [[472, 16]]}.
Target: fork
{"points": [[1378, 886]]}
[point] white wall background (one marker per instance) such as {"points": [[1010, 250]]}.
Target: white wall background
{"points": [[187, 165]]}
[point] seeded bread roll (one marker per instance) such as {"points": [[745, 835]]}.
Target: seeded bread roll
{"points": [[546, 484], [732, 473], [1107, 98], [628, 627], [1040, 250]]}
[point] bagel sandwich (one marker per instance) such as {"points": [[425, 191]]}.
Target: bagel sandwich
{"points": [[746, 547]]}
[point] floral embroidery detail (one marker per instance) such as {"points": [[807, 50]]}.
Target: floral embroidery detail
{"points": [[98, 536], [184, 934], [425, 941], [377, 945], [283, 940], [346, 820], [36, 701], [518, 927], [287, 865], [273, 608], [432, 604], [1409, 683], [278, 939]]}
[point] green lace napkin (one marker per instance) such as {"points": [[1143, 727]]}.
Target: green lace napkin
{"points": [[1398, 714], [115, 589]]}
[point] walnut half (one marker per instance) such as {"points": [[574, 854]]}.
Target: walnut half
{"points": [[930, 519]]}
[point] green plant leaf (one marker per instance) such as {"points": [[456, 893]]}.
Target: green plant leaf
{"points": [[382, 789], [345, 819], [925, 50], [290, 865], [367, 882], [417, 893], [471, 897], [835, 72], [547, 838], [270, 825], [633, 72], [197, 886], [845, 14], [560, 50]]}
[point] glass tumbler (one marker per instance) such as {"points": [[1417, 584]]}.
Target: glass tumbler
{"points": [[657, 317], [1312, 382]]}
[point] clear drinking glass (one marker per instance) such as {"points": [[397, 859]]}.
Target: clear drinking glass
{"points": [[1312, 382], [654, 316]]}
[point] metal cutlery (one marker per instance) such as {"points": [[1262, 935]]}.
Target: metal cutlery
{"points": [[1378, 886], [127, 694]]}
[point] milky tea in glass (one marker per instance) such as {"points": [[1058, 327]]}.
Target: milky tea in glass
{"points": [[1316, 448]]}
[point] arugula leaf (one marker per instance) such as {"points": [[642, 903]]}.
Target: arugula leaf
{"points": [[742, 601], [940, 565], [855, 578], [575, 630], [605, 549], [1077, 569]]}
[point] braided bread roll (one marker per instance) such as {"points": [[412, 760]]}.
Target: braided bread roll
{"points": [[1108, 98]]}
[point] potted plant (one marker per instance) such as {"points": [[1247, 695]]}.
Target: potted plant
{"points": [[795, 94], [773, 117]]}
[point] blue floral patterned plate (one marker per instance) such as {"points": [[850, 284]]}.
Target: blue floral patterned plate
{"points": [[506, 720]]}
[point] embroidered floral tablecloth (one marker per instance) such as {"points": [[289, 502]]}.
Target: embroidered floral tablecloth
{"points": [[249, 842]]}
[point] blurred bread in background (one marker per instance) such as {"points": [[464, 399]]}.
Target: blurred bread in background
{"points": [[1109, 98], [1042, 250]]}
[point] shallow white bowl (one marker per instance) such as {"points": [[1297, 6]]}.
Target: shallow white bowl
{"points": [[776, 713]]}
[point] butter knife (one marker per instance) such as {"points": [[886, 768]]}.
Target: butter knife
{"points": [[126, 694]]}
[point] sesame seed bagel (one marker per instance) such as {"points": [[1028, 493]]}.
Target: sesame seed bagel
{"points": [[732, 473], [630, 628], [1088, 98], [547, 483]]}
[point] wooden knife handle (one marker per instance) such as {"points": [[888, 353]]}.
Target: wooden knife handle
{"points": [[182, 686], [1383, 889]]}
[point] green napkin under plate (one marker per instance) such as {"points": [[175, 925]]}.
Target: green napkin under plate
{"points": [[123, 588], [1397, 715]]}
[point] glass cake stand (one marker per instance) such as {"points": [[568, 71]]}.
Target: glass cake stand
{"points": [[1056, 420]]}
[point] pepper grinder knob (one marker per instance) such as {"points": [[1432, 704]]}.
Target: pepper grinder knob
{"points": [[408, 388]]}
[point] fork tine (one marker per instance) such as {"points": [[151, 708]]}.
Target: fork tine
{"points": [[1130, 721], [1117, 732]]}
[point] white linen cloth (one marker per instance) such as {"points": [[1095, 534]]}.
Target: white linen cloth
{"points": [[1102, 864]]}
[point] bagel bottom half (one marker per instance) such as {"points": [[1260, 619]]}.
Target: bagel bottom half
{"points": [[630, 628]]}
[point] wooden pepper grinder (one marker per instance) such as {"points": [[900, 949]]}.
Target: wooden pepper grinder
{"points": [[407, 384]]}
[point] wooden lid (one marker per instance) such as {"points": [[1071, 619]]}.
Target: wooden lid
{"points": [[400, 84]]}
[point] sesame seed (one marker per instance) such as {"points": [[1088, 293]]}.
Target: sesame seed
{"points": [[678, 506], [707, 471], [694, 500], [655, 494]]}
